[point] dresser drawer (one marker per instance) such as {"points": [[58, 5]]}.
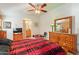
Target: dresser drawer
{"points": [[17, 36], [3, 34]]}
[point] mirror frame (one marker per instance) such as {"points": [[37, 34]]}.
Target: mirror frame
{"points": [[70, 23]]}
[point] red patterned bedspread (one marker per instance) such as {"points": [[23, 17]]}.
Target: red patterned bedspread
{"points": [[38, 46]]}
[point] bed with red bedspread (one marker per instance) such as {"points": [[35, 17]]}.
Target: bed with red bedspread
{"points": [[37, 46]]}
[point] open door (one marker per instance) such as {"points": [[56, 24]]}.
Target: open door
{"points": [[27, 31]]}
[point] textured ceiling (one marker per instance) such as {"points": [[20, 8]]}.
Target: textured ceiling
{"points": [[23, 7], [49, 6]]}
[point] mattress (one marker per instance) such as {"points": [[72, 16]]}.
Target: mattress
{"points": [[38, 46]]}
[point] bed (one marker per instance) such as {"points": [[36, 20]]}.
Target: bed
{"points": [[35, 46]]}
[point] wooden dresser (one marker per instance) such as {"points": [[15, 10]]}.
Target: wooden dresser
{"points": [[17, 36], [67, 41], [3, 34], [28, 33]]}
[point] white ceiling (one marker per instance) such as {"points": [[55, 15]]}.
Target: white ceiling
{"points": [[11, 5], [24, 6]]}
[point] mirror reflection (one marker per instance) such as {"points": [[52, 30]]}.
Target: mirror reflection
{"points": [[63, 25]]}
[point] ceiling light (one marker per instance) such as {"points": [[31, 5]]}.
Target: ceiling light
{"points": [[37, 11]]}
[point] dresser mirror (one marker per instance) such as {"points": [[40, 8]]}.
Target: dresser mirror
{"points": [[63, 25]]}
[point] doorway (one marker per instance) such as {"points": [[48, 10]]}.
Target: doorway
{"points": [[27, 30]]}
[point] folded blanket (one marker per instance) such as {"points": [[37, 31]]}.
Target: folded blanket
{"points": [[5, 42], [4, 50]]}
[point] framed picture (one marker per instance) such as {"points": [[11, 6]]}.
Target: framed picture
{"points": [[7, 25]]}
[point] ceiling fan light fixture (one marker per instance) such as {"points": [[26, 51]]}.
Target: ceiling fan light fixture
{"points": [[38, 8], [37, 11]]}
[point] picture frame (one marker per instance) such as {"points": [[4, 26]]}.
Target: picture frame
{"points": [[7, 25]]}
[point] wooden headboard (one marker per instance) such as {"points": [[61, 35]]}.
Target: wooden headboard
{"points": [[67, 41]]}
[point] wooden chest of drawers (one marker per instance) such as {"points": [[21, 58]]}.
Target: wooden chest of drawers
{"points": [[17, 36], [67, 41], [3, 34]]}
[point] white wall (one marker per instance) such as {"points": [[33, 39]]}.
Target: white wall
{"points": [[75, 12]]}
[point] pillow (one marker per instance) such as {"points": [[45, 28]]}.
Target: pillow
{"points": [[5, 42]]}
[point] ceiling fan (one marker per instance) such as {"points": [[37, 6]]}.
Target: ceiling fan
{"points": [[38, 8]]}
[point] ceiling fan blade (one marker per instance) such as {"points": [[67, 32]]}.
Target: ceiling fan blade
{"points": [[43, 5], [43, 10], [31, 5]]}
